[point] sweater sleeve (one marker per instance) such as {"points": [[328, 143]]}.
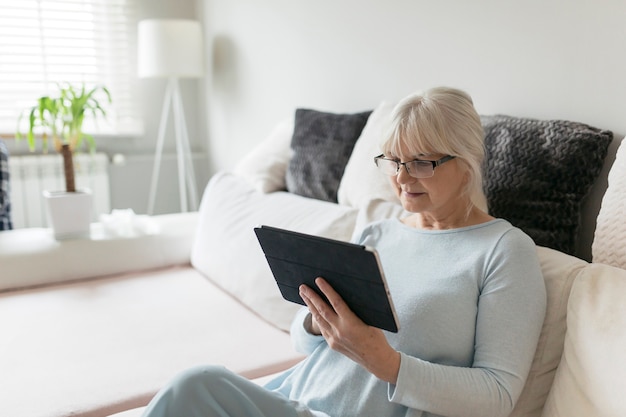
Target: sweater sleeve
{"points": [[303, 341], [511, 309]]}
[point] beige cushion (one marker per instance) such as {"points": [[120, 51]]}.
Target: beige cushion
{"points": [[609, 244], [266, 165], [361, 181], [98, 347], [559, 272], [377, 210], [226, 249], [591, 378]]}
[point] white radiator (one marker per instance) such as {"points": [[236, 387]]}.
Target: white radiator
{"points": [[30, 175]]}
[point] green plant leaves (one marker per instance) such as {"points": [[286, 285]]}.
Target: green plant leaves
{"points": [[62, 116]]}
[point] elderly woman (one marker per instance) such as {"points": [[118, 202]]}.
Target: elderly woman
{"points": [[467, 288]]}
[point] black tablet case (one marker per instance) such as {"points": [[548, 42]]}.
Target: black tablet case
{"points": [[352, 270]]}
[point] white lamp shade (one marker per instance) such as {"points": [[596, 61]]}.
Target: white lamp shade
{"points": [[170, 48]]}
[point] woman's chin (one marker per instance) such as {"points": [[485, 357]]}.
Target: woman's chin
{"points": [[411, 205]]}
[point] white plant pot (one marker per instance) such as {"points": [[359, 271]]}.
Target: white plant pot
{"points": [[69, 214]]}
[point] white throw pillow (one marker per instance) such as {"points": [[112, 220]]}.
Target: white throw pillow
{"points": [[361, 181], [377, 210], [266, 165], [608, 244], [559, 272], [226, 249], [590, 377]]}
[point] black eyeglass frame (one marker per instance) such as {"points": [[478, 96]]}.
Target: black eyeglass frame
{"points": [[435, 164]]}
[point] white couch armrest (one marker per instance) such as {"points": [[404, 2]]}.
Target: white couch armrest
{"points": [[32, 257]]}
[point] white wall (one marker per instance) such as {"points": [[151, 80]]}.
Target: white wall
{"points": [[536, 58]]}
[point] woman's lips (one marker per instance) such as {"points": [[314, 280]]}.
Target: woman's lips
{"points": [[412, 194]]}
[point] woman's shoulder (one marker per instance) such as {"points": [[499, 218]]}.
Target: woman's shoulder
{"points": [[511, 239]]}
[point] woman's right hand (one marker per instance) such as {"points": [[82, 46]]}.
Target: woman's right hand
{"points": [[349, 335]]}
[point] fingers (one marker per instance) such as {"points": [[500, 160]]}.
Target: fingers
{"points": [[333, 297], [317, 305], [325, 313], [311, 297], [319, 309]]}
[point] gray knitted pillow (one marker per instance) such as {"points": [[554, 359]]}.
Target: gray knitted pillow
{"points": [[538, 171], [322, 144]]}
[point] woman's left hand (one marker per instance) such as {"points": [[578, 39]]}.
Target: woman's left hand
{"points": [[346, 333]]}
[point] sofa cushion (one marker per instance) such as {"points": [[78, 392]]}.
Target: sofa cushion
{"points": [[97, 347], [590, 377], [538, 171], [361, 181], [322, 143], [608, 243], [226, 249], [265, 166], [559, 272]]}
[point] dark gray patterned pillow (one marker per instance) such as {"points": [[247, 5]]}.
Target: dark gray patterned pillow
{"points": [[322, 144], [538, 171]]}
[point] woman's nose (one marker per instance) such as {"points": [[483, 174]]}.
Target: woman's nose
{"points": [[402, 176]]}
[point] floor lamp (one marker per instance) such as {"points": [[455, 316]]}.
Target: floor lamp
{"points": [[172, 49]]}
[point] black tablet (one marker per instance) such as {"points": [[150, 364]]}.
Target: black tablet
{"points": [[354, 271]]}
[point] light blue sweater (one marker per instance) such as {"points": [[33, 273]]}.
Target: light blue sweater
{"points": [[470, 302]]}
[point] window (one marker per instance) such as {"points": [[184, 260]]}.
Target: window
{"points": [[45, 42]]}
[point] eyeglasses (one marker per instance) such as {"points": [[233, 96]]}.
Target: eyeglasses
{"points": [[416, 168]]}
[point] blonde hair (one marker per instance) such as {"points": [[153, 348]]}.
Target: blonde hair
{"points": [[441, 120]]}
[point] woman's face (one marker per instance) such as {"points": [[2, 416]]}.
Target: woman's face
{"points": [[440, 196]]}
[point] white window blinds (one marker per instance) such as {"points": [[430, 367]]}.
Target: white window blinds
{"points": [[45, 42]]}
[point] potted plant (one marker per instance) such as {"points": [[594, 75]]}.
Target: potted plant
{"points": [[59, 119]]}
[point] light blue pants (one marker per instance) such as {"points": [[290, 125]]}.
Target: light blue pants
{"points": [[213, 391]]}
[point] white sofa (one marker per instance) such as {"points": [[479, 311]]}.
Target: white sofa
{"points": [[95, 327]]}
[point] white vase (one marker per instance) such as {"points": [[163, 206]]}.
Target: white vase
{"points": [[69, 214]]}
